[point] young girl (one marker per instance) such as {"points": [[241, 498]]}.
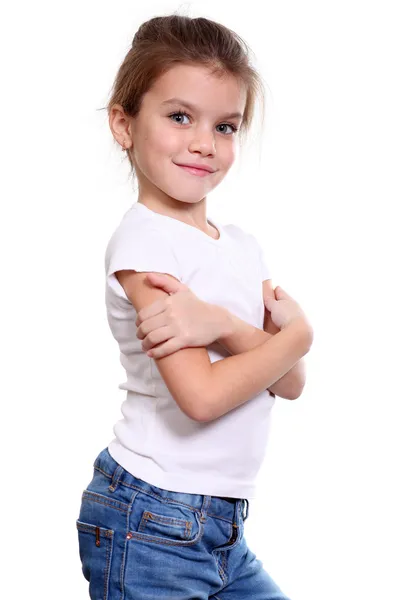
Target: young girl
{"points": [[204, 342]]}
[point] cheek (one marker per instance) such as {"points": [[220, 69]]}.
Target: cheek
{"points": [[158, 150], [155, 147], [164, 144], [227, 156]]}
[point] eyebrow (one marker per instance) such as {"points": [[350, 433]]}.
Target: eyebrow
{"points": [[192, 107]]}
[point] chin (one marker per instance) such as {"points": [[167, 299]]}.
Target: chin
{"points": [[187, 193]]}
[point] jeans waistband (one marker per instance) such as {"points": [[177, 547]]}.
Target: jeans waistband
{"points": [[232, 500], [199, 502]]}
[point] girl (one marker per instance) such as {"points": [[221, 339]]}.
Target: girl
{"points": [[204, 342]]}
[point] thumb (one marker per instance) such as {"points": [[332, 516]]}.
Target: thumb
{"points": [[280, 292], [268, 302], [166, 283]]}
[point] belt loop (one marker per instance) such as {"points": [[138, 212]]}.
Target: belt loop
{"points": [[204, 508], [115, 479]]}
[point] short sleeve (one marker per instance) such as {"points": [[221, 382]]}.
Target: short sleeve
{"points": [[264, 264], [145, 250]]}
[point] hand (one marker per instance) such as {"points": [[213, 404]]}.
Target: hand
{"points": [[181, 320], [284, 309]]}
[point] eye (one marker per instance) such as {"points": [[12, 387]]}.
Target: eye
{"points": [[181, 113], [233, 127]]}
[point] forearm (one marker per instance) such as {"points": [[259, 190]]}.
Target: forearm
{"points": [[239, 336], [236, 379]]}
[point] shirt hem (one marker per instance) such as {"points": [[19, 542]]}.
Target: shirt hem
{"points": [[174, 482]]}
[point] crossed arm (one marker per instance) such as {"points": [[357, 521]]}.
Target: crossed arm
{"points": [[243, 337]]}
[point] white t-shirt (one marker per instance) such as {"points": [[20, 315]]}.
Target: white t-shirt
{"points": [[156, 441]]}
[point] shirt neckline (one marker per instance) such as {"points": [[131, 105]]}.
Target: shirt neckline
{"points": [[217, 226]]}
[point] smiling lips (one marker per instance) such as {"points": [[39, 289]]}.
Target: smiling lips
{"points": [[197, 170]]}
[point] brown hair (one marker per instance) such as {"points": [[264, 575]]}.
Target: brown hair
{"points": [[165, 41]]}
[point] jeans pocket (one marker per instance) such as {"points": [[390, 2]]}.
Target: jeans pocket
{"points": [[95, 551], [170, 527], [160, 521]]}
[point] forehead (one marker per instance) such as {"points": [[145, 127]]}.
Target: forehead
{"points": [[199, 87]]}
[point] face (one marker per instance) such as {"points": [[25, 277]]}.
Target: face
{"points": [[203, 135]]}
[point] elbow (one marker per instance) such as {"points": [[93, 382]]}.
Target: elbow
{"points": [[202, 408], [296, 393], [201, 418], [198, 416], [201, 414], [194, 407], [286, 392], [190, 409], [203, 399]]}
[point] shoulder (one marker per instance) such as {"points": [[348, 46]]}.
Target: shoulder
{"points": [[239, 235], [246, 240], [138, 245], [254, 250], [138, 230], [134, 222]]}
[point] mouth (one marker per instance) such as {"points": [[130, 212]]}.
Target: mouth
{"points": [[195, 171]]}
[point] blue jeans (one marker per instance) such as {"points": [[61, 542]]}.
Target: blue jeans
{"points": [[141, 542]]}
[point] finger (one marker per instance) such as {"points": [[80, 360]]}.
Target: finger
{"points": [[150, 311], [268, 302], [151, 324], [173, 345], [156, 337], [281, 291]]}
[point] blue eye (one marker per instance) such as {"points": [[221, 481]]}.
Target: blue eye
{"points": [[234, 128], [180, 113]]}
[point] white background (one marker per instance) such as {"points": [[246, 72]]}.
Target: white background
{"points": [[320, 193]]}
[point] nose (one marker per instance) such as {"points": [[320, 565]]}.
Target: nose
{"points": [[202, 141]]}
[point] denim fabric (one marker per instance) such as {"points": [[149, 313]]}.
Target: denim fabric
{"points": [[141, 542]]}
